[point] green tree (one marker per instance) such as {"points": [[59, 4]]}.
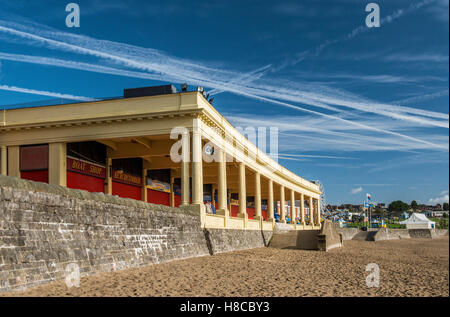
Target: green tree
{"points": [[396, 207], [414, 205], [445, 206], [378, 211]]}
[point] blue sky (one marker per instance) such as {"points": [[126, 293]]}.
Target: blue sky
{"points": [[362, 110]]}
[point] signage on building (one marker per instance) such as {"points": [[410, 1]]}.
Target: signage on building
{"points": [[126, 178], [83, 167], [158, 185]]}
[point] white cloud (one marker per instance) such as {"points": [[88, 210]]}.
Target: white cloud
{"points": [[439, 200], [356, 190], [325, 134], [440, 11], [355, 32], [422, 97], [424, 57]]}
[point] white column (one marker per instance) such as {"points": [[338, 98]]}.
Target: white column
{"points": [[14, 161], [108, 185], [172, 190], [302, 207], [57, 164], [185, 170], [197, 169], [257, 196], [4, 159], [311, 211], [282, 205], [222, 184], [270, 213], [242, 192], [292, 206], [318, 211], [144, 185]]}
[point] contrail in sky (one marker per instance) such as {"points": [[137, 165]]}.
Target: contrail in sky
{"points": [[166, 68], [359, 30], [45, 93]]}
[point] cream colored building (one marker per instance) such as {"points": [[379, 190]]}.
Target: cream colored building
{"points": [[140, 127]]}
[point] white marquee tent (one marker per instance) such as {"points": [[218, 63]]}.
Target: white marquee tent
{"points": [[418, 221]]}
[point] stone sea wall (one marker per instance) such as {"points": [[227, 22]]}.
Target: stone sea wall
{"points": [[44, 229]]}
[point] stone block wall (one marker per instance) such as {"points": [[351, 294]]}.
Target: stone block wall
{"points": [[44, 228], [232, 240], [328, 238], [347, 233], [423, 233], [391, 234], [307, 239]]}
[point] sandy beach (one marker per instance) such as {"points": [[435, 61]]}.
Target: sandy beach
{"points": [[410, 267]]}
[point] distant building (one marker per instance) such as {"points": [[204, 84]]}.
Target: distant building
{"points": [[405, 215], [423, 207], [437, 213]]}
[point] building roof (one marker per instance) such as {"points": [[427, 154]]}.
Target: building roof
{"points": [[115, 121], [416, 218]]}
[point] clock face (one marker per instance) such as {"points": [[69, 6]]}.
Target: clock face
{"points": [[209, 150]]}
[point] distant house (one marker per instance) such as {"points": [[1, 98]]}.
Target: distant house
{"points": [[423, 207], [418, 221], [437, 213]]}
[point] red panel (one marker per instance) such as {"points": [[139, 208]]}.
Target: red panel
{"points": [[34, 157], [264, 214], [234, 210], [126, 191], [177, 200], [250, 213], [157, 197], [85, 182], [37, 176]]}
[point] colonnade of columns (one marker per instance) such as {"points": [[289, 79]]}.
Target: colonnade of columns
{"points": [[3, 161], [57, 175], [223, 194]]}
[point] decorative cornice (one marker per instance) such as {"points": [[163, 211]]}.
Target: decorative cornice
{"points": [[90, 122]]}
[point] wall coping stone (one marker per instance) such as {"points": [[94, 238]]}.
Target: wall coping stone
{"points": [[31, 186]]}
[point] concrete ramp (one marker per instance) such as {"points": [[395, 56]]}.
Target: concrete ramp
{"points": [[284, 240], [391, 234], [324, 239], [365, 236], [346, 233], [307, 239]]}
